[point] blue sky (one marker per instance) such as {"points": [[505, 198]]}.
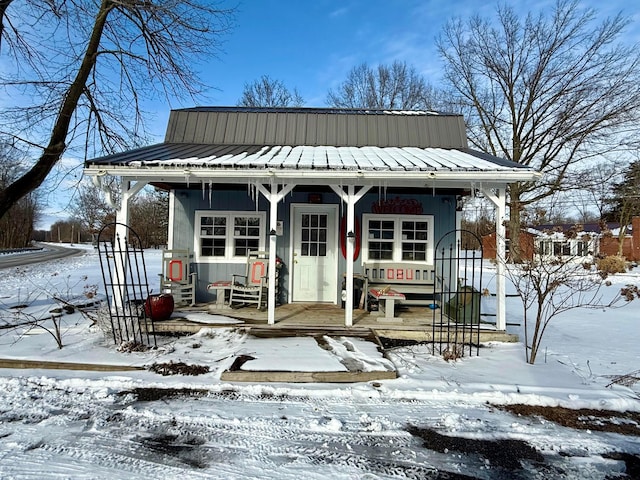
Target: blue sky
{"points": [[312, 45]]}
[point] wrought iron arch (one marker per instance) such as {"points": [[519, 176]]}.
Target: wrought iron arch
{"points": [[458, 264], [125, 279]]}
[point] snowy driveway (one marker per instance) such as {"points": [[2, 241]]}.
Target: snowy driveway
{"points": [[79, 429]]}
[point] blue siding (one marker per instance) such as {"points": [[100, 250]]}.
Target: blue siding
{"points": [[442, 207]]}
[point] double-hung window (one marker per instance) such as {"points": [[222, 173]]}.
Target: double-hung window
{"points": [[228, 236], [396, 238]]}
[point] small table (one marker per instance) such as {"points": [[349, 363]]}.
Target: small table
{"points": [[221, 287], [387, 298]]}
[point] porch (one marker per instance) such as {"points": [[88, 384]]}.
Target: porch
{"points": [[413, 323]]}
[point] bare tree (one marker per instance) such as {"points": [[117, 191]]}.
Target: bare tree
{"points": [[90, 208], [68, 231], [268, 92], [553, 286], [150, 215], [544, 91], [396, 86], [17, 225], [592, 199], [81, 69], [625, 200]]}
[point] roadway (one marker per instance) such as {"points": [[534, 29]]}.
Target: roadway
{"points": [[49, 252]]}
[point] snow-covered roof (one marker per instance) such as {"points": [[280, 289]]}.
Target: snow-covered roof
{"points": [[310, 158]]}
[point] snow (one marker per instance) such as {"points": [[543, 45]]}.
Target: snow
{"points": [[80, 424]]}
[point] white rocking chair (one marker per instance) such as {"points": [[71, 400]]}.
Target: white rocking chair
{"points": [[176, 277], [251, 288]]}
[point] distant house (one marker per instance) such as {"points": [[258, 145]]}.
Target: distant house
{"points": [[571, 241], [609, 243], [326, 190], [527, 245]]}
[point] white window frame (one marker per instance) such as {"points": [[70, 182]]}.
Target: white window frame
{"points": [[229, 256], [397, 236]]}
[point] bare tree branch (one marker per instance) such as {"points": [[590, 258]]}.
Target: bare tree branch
{"points": [[267, 92], [547, 91], [395, 86], [83, 67]]}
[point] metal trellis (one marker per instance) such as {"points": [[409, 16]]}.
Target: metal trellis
{"points": [[125, 280]]}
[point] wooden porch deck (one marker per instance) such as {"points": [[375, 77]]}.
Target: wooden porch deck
{"points": [[412, 322]]}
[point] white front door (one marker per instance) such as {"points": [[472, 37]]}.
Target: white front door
{"points": [[315, 246]]}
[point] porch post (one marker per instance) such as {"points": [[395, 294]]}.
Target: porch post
{"points": [[350, 198], [499, 200], [273, 223], [273, 196], [350, 242], [129, 190]]}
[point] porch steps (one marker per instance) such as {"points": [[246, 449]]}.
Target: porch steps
{"points": [[421, 333]]}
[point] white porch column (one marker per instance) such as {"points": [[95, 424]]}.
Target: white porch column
{"points": [[350, 198], [273, 196], [499, 200], [129, 190]]}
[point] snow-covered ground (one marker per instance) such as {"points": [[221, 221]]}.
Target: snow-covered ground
{"points": [[139, 424]]}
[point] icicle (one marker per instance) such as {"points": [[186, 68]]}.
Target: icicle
{"points": [[385, 191], [203, 189], [210, 192]]}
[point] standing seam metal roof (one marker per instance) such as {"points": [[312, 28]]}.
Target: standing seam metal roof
{"points": [[308, 157]]}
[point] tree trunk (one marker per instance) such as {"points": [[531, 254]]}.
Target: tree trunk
{"points": [[4, 4], [52, 153], [513, 230]]}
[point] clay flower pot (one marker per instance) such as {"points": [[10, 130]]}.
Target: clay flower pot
{"points": [[159, 307]]}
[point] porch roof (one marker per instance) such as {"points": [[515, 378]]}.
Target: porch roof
{"points": [[204, 160]]}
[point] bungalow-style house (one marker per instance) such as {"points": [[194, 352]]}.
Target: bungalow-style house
{"points": [[569, 242], [326, 190]]}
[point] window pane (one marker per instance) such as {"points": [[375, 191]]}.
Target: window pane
{"points": [[212, 247], [246, 235]]}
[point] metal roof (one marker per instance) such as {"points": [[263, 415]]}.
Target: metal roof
{"points": [[330, 110], [292, 158]]}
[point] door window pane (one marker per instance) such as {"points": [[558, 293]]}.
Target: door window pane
{"points": [[313, 235]]}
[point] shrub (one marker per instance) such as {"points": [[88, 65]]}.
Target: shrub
{"points": [[612, 264]]}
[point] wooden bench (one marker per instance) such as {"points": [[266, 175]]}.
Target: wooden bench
{"points": [[415, 281]]}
